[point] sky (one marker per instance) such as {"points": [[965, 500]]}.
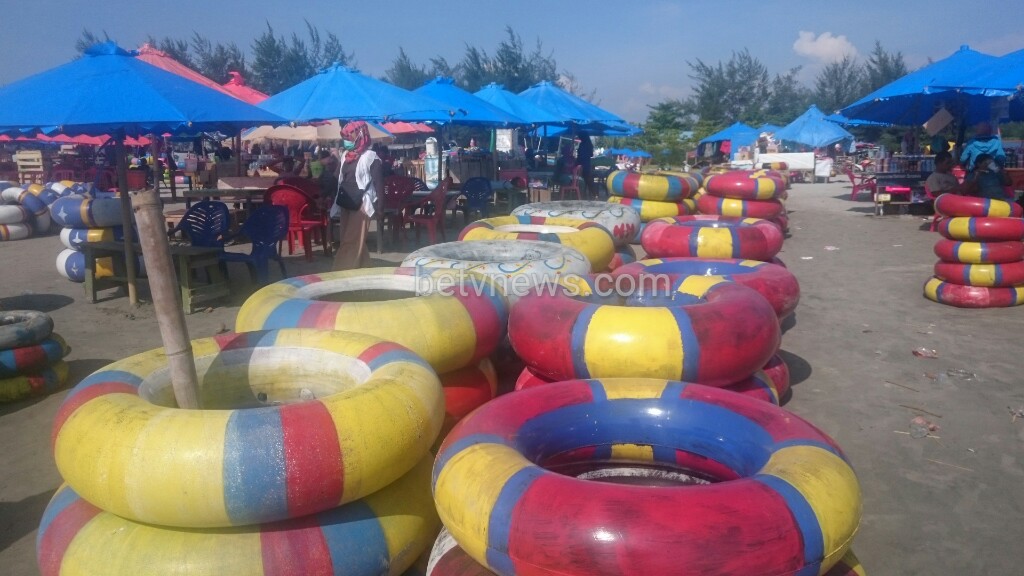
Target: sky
{"points": [[633, 54]]}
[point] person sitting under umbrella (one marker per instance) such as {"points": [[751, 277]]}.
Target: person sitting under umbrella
{"points": [[984, 142], [986, 179]]}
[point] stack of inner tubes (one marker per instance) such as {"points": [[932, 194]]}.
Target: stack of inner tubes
{"points": [[22, 212], [621, 220], [84, 219], [310, 454], [712, 236], [654, 195], [31, 355], [981, 257], [746, 194]]}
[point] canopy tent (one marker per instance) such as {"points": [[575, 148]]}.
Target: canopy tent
{"points": [[400, 128], [514, 104], [79, 139], [237, 87], [569, 107], [321, 131], [738, 131], [150, 55], [476, 112], [609, 129], [342, 93], [114, 93], [844, 121], [770, 128], [916, 97], [812, 129]]}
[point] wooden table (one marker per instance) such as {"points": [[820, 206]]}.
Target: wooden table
{"points": [[244, 182], [239, 195], [187, 261]]}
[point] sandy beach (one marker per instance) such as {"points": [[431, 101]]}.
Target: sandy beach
{"points": [[948, 503]]}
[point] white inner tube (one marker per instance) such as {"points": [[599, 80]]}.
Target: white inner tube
{"points": [[622, 221]]}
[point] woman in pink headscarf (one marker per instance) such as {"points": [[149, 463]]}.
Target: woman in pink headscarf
{"points": [[359, 179]]}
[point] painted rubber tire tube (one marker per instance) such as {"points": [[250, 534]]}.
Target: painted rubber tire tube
{"points": [[651, 209], [14, 232], [34, 357], [743, 186], [575, 332], [758, 385], [71, 265], [622, 221], [511, 513], [73, 238], [777, 284], [979, 252], [457, 323], [986, 275], [767, 209], [531, 261], [447, 558], [623, 255], [592, 239], [377, 409], [46, 381], [77, 211], [954, 205], [781, 177], [972, 296], [778, 371], [40, 213], [14, 214], [465, 390], [712, 236], [382, 533], [982, 229], [19, 328], [657, 187]]}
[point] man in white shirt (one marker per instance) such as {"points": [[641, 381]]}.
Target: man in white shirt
{"points": [[941, 180]]}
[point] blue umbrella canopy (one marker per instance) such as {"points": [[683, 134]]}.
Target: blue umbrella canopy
{"points": [[812, 129], [510, 102], [108, 90], [609, 129], [916, 97], [769, 128], [641, 154], [476, 112], [569, 107], [1002, 77], [739, 132], [339, 92], [844, 121]]}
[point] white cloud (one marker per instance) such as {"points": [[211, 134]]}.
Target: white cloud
{"points": [[824, 47]]}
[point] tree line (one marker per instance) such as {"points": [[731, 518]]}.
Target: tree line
{"points": [[275, 62]]}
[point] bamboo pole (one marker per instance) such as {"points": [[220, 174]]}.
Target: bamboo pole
{"points": [[166, 297], [126, 217]]}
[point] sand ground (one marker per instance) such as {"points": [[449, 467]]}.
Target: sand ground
{"points": [[948, 504]]}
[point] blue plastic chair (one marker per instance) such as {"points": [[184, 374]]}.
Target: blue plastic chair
{"points": [[265, 227], [205, 224], [479, 196]]}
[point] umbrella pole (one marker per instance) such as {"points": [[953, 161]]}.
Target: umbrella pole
{"points": [[166, 298], [126, 217]]}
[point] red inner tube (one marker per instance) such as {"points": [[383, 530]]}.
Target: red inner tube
{"points": [[744, 186], [979, 252], [699, 236], [981, 229], [956, 205], [988, 275], [766, 209]]}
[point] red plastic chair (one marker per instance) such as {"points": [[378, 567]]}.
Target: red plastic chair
{"points": [[860, 183], [431, 215], [574, 184], [305, 221], [308, 186], [397, 192]]}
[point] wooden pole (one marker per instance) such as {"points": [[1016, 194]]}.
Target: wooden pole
{"points": [[126, 216], [166, 297]]}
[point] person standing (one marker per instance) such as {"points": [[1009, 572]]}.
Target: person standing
{"points": [[360, 178], [584, 157]]}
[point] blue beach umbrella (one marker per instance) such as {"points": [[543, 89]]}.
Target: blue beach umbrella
{"points": [[512, 103], [569, 107], [812, 129], [476, 112], [342, 93], [916, 97], [739, 132], [108, 91]]}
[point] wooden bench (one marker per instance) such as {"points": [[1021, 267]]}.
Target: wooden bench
{"points": [[188, 261]]}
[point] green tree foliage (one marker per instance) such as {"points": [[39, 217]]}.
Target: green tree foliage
{"points": [[404, 73], [839, 84], [278, 63], [215, 60], [787, 99], [510, 65], [882, 67], [734, 91], [177, 49]]}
